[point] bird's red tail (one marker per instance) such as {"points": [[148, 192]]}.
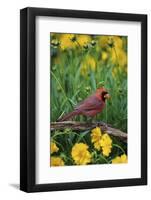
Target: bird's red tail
{"points": [[68, 116]]}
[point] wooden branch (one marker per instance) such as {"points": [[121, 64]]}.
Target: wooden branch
{"points": [[82, 126]]}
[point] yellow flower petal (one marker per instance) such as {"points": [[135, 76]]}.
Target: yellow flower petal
{"points": [[106, 150], [106, 144], [119, 56], [103, 41], [104, 56], [96, 135], [87, 65], [66, 42], [124, 158], [118, 42], [83, 39]]}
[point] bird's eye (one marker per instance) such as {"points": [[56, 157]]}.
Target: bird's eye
{"points": [[103, 93]]}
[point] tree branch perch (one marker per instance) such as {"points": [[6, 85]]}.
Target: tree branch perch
{"points": [[82, 126]]}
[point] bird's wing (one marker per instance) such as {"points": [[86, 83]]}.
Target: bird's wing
{"points": [[90, 103]]}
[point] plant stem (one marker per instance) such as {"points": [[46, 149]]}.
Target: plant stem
{"points": [[116, 145], [59, 84]]}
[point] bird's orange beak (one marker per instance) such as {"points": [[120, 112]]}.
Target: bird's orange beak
{"points": [[107, 96]]}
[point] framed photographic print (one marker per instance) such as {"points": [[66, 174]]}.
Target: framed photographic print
{"points": [[83, 99]]}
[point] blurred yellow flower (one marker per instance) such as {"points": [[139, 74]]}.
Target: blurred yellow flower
{"points": [[73, 37], [88, 64], [120, 159], [91, 63], [103, 41], [84, 69], [83, 39], [117, 41], [96, 137], [53, 147], [56, 161], [104, 55], [117, 53], [106, 144], [80, 154], [66, 42], [115, 72], [119, 56]]}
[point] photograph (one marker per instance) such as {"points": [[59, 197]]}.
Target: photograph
{"points": [[88, 99]]}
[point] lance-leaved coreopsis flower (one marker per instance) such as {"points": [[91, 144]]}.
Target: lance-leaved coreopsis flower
{"points": [[80, 154], [96, 135], [56, 161], [120, 159], [106, 144], [102, 142], [53, 147]]}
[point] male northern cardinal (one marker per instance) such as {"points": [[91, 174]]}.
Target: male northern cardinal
{"points": [[91, 106]]}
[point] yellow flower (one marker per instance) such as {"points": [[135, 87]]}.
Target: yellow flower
{"points": [[119, 56], [84, 69], [106, 144], [115, 72], [120, 159], [103, 41], [118, 42], [104, 56], [83, 39], [66, 42], [80, 154], [91, 63], [56, 161], [73, 37], [88, 64], [96, 137], [53, 147], [101, 141]]}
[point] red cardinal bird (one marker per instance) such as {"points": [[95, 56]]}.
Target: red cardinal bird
{"points": [[91, 106]]}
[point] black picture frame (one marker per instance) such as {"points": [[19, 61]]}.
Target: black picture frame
{"points": [[28, 99]]}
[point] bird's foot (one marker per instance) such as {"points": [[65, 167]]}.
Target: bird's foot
{"points": [[103, 125], [90, 120]]}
